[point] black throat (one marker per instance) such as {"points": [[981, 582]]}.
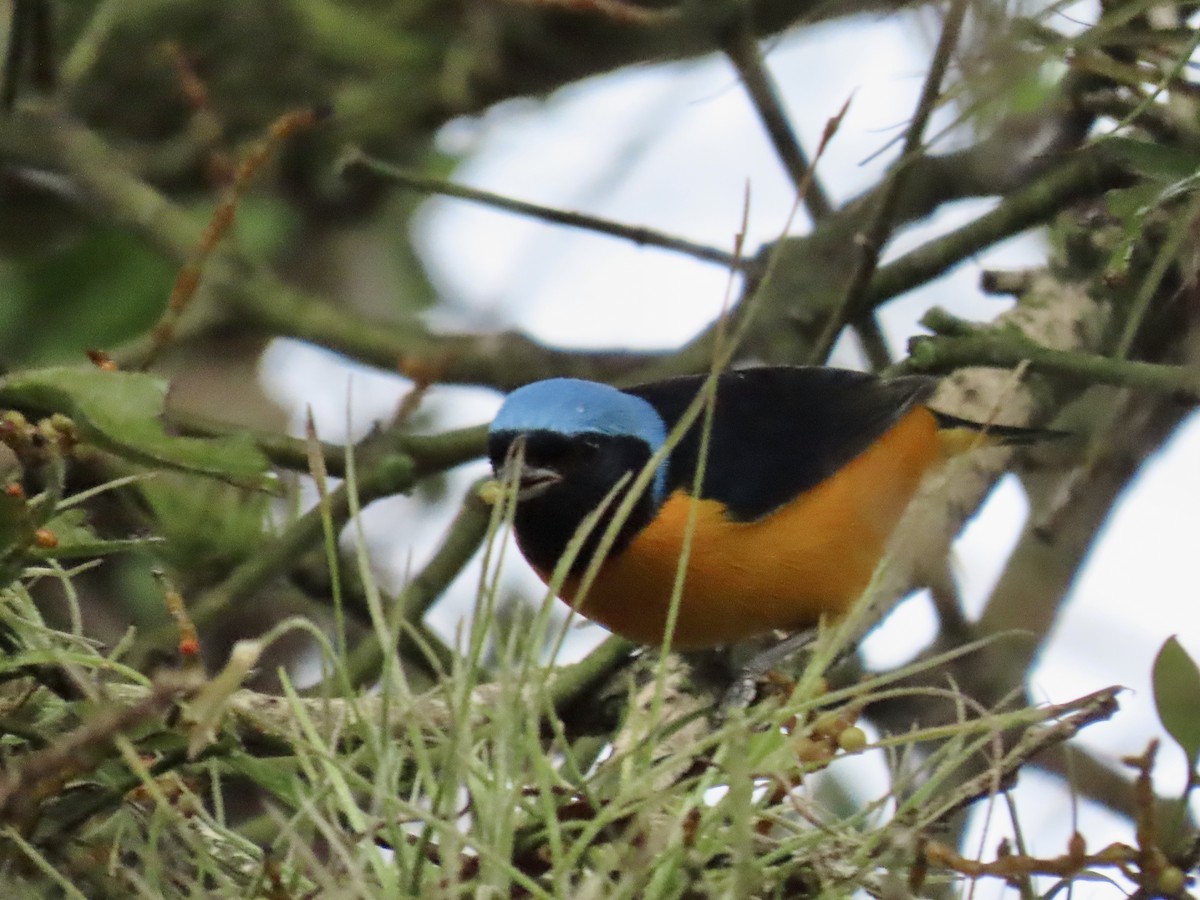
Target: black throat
{"points": [[591, 466]]}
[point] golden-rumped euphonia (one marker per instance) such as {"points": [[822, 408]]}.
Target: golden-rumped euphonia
{"points": [[808, 471]]}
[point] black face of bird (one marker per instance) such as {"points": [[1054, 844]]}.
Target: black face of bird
{"points": [[560, 479], [512, 464]]}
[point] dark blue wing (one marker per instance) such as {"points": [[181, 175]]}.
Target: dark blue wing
{"points": [[779, 430]]}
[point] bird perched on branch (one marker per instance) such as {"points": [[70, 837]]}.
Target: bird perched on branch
{"points": [[806, 472]]}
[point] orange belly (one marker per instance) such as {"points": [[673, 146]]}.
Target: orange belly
{"points": [[813, 556]]}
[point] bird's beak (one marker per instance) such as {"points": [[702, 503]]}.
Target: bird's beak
{"points": [[531, 481]]}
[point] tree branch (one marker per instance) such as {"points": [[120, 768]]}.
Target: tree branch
{"points": [[960, 344], [1079, 176], [355, 160], [245, 289], [383, 471], [742, 49]]}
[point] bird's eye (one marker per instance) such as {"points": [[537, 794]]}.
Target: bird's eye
{"points": [[557, 451], [549, 453]]}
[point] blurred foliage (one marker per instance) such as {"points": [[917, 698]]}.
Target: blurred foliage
{"points": [[146, 791], [207, 527], [103, 289]]}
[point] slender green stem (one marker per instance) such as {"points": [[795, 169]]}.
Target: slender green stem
{"points": [[577, 680], [455, 550]]}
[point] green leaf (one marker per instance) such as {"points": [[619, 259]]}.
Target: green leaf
{"points": [[278, 776], [1157, 161], [122, 412], [1177, 696], [1130, 205], [77, 540], [16, 524], [97, 291]]}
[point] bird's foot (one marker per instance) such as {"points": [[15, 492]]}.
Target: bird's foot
{"points": [[742, 692]]}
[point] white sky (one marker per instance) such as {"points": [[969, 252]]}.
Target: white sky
{"points": [[674, 148]]}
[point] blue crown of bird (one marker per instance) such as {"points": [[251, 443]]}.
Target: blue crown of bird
{"points": [[807, 471]]}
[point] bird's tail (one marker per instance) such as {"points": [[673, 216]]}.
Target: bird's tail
{"points": [[960, 435]]}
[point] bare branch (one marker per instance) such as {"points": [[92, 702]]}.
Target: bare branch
{"points": [[870, 242], [353, 159]]}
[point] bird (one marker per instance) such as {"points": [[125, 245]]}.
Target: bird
{"points": [[807, 471]]}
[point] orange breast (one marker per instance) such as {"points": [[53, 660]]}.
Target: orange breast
{"points": [[814, 556]]}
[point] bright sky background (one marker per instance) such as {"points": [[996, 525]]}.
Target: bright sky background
{"points": [[674, 148]]}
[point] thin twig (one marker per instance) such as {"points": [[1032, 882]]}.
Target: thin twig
{"points": [[742, 50], [1070, 718], [282, 450], [188, 279], [881, 223], [615, 10], [1081, 175], [873, 341], [389, 472], [355, 159]]}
